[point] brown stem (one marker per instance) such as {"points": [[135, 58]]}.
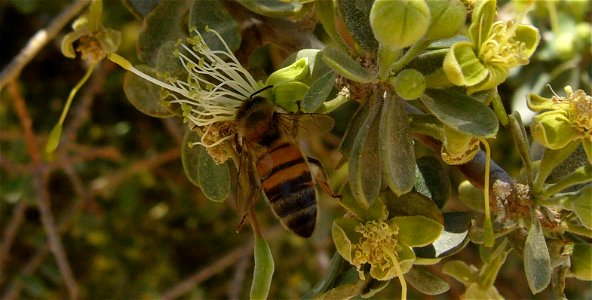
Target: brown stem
{"points": [[40, 183], [18, 215], [39, 40]]}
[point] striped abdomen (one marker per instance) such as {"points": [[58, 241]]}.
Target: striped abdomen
{"points": [[287, 182]]}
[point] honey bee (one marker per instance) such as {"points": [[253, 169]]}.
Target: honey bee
{"points": [[283, 172]]}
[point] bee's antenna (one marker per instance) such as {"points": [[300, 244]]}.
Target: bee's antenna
{"points": [[259, 91]]}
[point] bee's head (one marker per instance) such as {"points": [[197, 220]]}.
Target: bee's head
{"points": [[255, 116]]}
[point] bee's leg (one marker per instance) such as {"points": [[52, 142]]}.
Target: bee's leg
{"points": [[250, 203], [321, 176]]}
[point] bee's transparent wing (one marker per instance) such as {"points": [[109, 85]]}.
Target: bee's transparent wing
{"points": [[302, 126]]}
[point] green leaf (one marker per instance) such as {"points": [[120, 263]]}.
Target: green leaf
{"points": [[432, 180], [426, 282], [351, 132], [343, 232], [214, 179], [471, 196], [581, 261], [454, 237], [537, 263], [318, 92], [461, 112], [214, 15], [326, 12], [345, 65], [580, 175], [190, 156], [140, 8], [373, 287], [463, 67], [461, 271], [364, 162], [356, 16], [166, 62], [396, 146], [447, 18], [201, 170], [272, 8], [263, 271], [417, 231], [375, 212], [413, 204], [582, 206], [144, 95], [160, 27]]}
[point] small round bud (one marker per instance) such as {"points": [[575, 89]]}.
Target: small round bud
{"points": [[399, 24], [409, 84]]}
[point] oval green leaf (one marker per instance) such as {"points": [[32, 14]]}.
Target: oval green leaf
{"points": [[318, 92], [214, 15], [272, 8], [426, 282], [214, 179], [345, 65], [356, 16], [461, 112], [396, 146], [417, 231], [190, 156], [144, 95], [263, 271], [537, 263], [364, 162], [432, 180], [160, 27]]}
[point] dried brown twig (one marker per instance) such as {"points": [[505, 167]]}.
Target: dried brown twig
{"points": [[40, 39]]}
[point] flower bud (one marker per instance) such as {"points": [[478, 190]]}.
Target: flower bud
{"points": [[447, 18], [399, 24], [552, 129], [409, 84]]}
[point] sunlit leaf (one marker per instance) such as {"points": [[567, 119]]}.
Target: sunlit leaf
{"points": [[454, 237], [581, 261], [416, 231], [461, 271]]}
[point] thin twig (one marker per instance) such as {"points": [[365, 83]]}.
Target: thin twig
{"points": [[107, 184], [42, 198], [238, 279], [18, 215], [209, 271], [34, 263], [39, 40]]}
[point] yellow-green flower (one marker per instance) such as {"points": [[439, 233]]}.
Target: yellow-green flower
{"points": [[484, 61], [383, 244], [94, 40], [565, 120]]}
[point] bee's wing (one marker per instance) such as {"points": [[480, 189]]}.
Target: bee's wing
{"points": [[301, 126]]}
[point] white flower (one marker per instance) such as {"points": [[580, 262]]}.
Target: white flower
{"points": [[213, 91]]}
